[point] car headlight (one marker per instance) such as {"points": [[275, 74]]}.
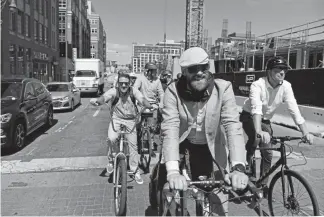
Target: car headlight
{"points": [[5, 118], [66, 98]]}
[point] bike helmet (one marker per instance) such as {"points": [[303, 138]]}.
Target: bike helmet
{"points": [[150, 66], [277, 62]]}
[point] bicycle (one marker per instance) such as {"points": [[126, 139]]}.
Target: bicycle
{"points": [[200, 190], [289, 200], [145, 145]]}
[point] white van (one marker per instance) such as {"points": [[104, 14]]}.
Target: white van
{"points": [[88, 76]]}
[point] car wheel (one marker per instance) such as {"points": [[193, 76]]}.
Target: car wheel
{"points": [[19, 135], [72, 105], [49, 118]]}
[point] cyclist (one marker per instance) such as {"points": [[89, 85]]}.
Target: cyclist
{"points": [[151, 87], [266, 95], [133, 78], [123, 112], [194, 109], [166, 78]]}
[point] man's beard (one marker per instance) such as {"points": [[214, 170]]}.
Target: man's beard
{"points": [[199, 83]]}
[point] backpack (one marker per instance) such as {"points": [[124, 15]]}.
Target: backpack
{"points": [[114, 101]]}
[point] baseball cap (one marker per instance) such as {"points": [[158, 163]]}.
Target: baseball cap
{"points": [[193, 56]]}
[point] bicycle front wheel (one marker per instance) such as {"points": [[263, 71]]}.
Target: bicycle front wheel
{"points": [[120, 188], [299, 198]]}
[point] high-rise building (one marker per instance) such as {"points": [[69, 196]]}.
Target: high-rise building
{"points": [[29, 43], [74, 34], [143, 53], [98, 35]]}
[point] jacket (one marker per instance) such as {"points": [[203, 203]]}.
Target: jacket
{"points": [[221, 112]]}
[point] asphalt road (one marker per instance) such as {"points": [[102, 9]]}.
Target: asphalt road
{"points": [[59, 172]]}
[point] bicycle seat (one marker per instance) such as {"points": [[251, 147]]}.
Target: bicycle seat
{"points": [[147, 113]]}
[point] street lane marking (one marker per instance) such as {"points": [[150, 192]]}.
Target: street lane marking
{"points": [[29, 153], [57, 164], [97, 112]]}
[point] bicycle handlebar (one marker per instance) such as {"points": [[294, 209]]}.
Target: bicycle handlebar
{"points": [[279, 139], [136, 120]]}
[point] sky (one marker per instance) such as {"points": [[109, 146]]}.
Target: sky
{"points": [[142, 21]]}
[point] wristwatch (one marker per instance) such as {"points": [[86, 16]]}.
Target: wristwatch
{"points": [[239, 168]]}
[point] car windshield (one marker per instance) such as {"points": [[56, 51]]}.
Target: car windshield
{"points": [[10, 90], [85, 73], [57, 87]]}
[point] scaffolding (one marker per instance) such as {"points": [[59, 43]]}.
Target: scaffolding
{"points": [[305, 37]]}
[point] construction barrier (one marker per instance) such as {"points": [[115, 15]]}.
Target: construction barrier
{"points": [[308, 86]]}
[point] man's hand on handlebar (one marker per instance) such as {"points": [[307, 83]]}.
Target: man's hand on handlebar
{"points": [[264, 136], [237, 179], [177, 182], [309, 138]]}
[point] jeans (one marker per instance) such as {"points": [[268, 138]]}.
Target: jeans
{"points": [[252, 143], [131, 140]]}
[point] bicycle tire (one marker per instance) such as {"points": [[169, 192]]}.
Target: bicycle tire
{"points": [[121, 171], [302, 180]]}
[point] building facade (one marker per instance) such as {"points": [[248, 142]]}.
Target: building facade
{"points": [[29, 43], [143, 53], [98, 35], [74, 35]]}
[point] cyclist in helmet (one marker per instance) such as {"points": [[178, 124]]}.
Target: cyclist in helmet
{"points": [[133, 78], [151, 87], [266, 95], [166, 78]]}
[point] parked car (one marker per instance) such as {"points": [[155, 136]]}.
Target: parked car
{"points": [[26, 105], [65, 95]]}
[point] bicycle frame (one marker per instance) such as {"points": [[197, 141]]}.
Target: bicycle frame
{"points": [[282, 161]]}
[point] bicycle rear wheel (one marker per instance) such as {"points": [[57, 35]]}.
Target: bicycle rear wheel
{"points": [[292, 193], [146, 144], [120, 188]]}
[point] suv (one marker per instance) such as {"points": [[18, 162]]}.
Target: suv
{"points": [[26, 105]]}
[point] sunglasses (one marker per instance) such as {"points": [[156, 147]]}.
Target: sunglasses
{"points": [[123, 83], [197, 68]]}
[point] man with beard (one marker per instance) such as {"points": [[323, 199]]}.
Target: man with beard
{"points": [[194, 109], [123, 112], [266, 95]]}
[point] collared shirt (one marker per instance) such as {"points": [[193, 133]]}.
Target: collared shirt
{"points": [[150, 89], [264, 100], [197, 133]]}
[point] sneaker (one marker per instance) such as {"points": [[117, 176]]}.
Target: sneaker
{"points": [[138, 178], [110, 168]]}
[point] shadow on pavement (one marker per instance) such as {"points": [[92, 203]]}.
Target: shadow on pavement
{"points": [[29, 139], [150, 211]]}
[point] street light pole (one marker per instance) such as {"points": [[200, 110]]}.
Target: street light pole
{"points": [[66, 41]]}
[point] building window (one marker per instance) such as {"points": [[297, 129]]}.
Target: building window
{"points": [[35, 30], [92, 46], [20, 69], [46, 35], [20, 22], [53, 40], [53, 15], [41, 7], [40, 29], [62, 3], [27, 25], [45, 9], [12, 21], [12, 58], [93, 55], [93, 30]]}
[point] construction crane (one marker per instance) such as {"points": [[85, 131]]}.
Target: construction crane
{"points": [[194, 23]]}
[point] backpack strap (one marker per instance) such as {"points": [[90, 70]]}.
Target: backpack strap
{"points": [[116, 98]]}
